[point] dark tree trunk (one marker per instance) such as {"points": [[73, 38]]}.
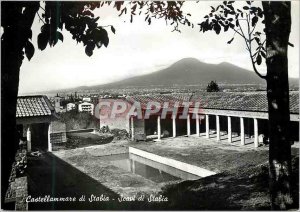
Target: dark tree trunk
{"points": [[17, 19], [278, 26]]}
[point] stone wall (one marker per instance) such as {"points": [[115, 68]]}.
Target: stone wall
{"points": [[116, 123], [58, 132], [139, 129], [114, 120], [57, 138], [21, 191]]}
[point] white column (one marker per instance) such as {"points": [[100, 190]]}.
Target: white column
{"points": [[188, 123], [218, 127], [49, 139], [158, 128], [255, 133], [28, 136], [207, 125], [242, 131], [132, 166], [132, 128], [197, 124], [174, 125], [229, 129]]}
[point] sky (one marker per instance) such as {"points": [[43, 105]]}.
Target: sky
{"points": [[138, 48]]}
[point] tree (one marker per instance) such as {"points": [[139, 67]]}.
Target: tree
{"points": [[75, 17], [212, 87], [277, 23]]}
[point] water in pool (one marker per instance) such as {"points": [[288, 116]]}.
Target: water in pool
{"points": [[149, 169]]}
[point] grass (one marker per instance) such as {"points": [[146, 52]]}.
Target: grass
{"points": [[245, 188], [83, 139]]}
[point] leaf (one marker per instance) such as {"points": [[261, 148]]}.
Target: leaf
{"points": [[29, 34], [42, 41], [118, 5], [89, 49], [230, 7], [290, 44], [254, 20], [29, 50], [134, 7], [60, 36], [258, 59], [263, 54], [246, 8], [248, 2], [102, 36], [231, 25], [226, 28], [113, 29], [217, 28], [229, 42], [257, 40]]}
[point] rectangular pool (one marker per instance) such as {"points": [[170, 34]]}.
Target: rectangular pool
{"points": [[149, 169]]}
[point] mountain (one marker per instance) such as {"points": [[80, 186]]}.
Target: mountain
{"points": [[190, 71]]}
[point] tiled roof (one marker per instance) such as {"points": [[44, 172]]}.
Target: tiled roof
{"points": [[242, 101], [160, 98], [29, 106]]}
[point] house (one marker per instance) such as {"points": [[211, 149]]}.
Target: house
{"points": [[86, 99], [71, 106], [33, 116], [210, 114], [86, 107]]}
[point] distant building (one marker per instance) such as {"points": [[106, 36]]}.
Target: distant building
{"points": [[86, 99], [86, 107], [57, 103], [71, 106]]}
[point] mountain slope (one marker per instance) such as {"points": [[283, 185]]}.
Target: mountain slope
{"points": [[190, 71]]}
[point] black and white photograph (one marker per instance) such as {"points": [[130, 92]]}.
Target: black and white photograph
{"points": [[150, 105]]}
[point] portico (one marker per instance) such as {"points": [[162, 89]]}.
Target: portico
{"points": [[238, 118]]}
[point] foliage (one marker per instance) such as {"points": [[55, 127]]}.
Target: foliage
{"points": [[170, 11], [79, 19], [243, 21], [82, 139], [119, 134], [212, 87], [75, 120]]}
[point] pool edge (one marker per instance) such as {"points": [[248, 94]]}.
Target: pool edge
{"points": [[173, 163]]}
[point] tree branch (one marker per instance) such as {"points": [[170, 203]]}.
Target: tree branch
{"points": [[250, 48], [40, 18]]}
